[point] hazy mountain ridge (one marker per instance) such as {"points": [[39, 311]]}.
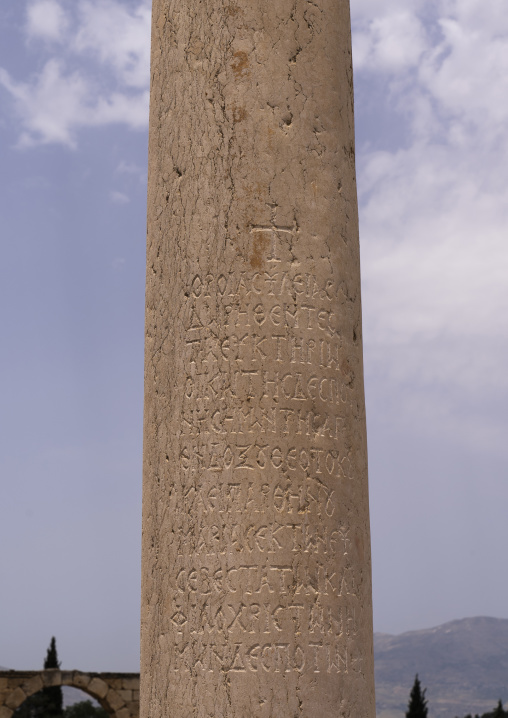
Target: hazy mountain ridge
{"points": [[463, 664]]}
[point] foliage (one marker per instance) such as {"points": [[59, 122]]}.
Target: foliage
{"points": [[52, 696], [498, 712], [85, 709], [47, 703], [51, 660], [417, 707]]}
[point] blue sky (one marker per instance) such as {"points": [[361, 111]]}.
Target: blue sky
{"points": [[431, 82]]}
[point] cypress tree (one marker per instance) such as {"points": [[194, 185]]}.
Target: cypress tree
{"points": [[53, 697], [47, 703], [498, 712], [417, 707]]}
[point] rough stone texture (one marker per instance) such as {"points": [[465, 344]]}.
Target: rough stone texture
{"points": [[34, 685], [16, 698], [256, 597], [116, 700], [52, 677], [81, 680], [98, 687], [16, 686]]}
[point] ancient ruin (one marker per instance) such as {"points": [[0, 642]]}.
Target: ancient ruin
{"points": [[256, 595], [117, 693]]}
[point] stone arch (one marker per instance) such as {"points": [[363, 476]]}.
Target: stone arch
{"points": [[117, 693]]}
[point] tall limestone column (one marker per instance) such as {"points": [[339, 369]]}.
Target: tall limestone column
{"points": [[256, 597]]}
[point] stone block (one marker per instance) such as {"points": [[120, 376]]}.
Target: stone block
{"points": [[115, 683], [132, 683], [5, 712], [123, 713], [80, 680], [98, 687], [52, 677], [126, 695], [114, 699], [16, 698], [33, 685]]}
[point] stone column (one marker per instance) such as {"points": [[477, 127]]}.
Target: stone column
{"points": [[256, 598]]}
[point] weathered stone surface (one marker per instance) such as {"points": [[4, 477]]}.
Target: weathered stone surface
{"points": [[81, 680], [115, 700], [52, 677], [116, 683], [16, 686], [98, 687], [132, 684], [33, 685], [256, 552], [16, 698]]}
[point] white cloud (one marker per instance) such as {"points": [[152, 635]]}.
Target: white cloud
{"points": [[395, 41], [54, 104], [107, 46], [134, 170], [129, 168], [131, 110], [117, 37], [435, 210], [468, 75], [46, 19], [118, 197], [48, 106]]}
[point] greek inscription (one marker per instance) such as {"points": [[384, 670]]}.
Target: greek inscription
{"points": [[277, 316], [297, 538], [266, 657], [200, 420], [251, 579], [259, 456], [205, 386], [263, 463], [269, 283], [252, 347], [262, 619]]}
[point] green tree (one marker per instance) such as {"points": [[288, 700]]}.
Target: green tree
{"points": [[53, 697], [85, 709], [417, 707], [498, 712], [47, 703]]}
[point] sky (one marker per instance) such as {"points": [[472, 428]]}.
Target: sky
{"points": [[431, 103]]}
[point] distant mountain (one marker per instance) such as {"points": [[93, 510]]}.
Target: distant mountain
{"points": [[463, 664]]}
